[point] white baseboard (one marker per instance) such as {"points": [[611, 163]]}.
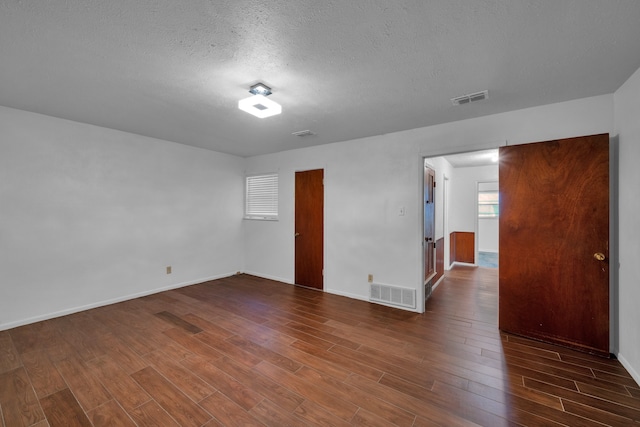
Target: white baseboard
{"points": [[629, 368], [347, 294], [468, 264], [435, 285], [266, 276], [72, 310]]}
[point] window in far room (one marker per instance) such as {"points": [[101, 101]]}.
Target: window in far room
{"points": [[488, 204]]}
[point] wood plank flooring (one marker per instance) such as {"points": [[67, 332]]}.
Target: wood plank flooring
{"points": [[245, 351]]}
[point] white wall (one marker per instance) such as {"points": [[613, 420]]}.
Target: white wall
{"points": [[488, 229], [627, 125], [463, 205], [366, 180], [91, 215]]}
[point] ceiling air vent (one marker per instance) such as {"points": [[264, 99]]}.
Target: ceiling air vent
{"points": [[302, 133], [472, 97]]}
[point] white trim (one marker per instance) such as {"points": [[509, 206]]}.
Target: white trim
{"points": [[468, 264], [348, 295], [447, 151], [65, 312], [629, 368], [266, 276], [260, 218], [435, 285], [446, 261]]}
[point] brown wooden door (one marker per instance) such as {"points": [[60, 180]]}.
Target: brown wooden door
{"points": [[429, 222], [554, 228], [309, 225]]}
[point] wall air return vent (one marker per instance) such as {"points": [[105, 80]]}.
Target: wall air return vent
{"points": [[393, 295], [472, 97]]}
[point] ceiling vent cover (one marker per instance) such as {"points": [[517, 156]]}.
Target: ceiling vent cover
{"points": [[302, 133], [471, 97]]}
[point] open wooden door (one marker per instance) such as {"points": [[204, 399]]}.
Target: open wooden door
{"points": [[554, 242], [429, 223], [309, 226]]}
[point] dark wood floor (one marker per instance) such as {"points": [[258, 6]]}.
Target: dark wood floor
{"points": [[245, 351]]}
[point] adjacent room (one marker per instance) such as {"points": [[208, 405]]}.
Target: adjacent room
{"points": [[303, 213]]}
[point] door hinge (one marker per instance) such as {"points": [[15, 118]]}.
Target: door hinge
{"points": [[434, 184]]}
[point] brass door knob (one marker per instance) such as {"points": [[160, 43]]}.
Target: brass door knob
{"points": [[296, 235], [599, 256]]}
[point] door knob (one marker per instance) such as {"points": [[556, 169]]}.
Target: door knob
{"points": [[599, 256], [296, 235]]}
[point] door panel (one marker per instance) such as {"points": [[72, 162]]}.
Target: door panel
{"points": [[309, 226], [429, 222], [462, 247], [554, 220]]}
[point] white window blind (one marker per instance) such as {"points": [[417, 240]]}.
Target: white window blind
{"points": [[261, 199], [488, 204]]}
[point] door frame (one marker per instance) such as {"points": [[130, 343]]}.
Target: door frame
{"points": [[420, 306], [445, 221], [435, 221]]}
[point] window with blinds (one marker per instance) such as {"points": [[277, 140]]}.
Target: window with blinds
{"points": [[488, 204], [261, 197]]}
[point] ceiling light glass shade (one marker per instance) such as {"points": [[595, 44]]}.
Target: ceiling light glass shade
{"points": [[260, 106], [260, 89]]}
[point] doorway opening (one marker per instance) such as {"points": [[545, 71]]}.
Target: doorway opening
{"points": [[488, 208], [553, 269], [459, 234], [429, 225]]}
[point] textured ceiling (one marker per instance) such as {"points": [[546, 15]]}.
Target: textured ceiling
{"points": [[342, 69]]}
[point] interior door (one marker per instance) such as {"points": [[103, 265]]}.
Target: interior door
{"points": [[309, 228], [554, 242], [429, 222]]}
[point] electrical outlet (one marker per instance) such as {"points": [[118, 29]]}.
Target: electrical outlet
{"points": [[168, 269], [370, 278]]}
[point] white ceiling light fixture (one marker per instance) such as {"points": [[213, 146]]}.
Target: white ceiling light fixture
{"points": [[258, 104]]}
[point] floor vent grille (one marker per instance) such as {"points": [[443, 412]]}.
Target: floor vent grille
{"points": [[393, 295]]}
